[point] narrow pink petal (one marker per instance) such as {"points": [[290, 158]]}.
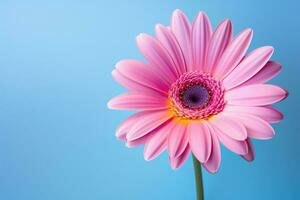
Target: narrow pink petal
{"points": [[125, 82], [138, 101], [255, 95], [178, 161], [238, 147], [201, 33], [145, 138], [214, 161], [139, 76], [269, 71], [233, 54], [230, 127], [128, 123], [158, 142], [181, 27], [157, 56], [147, 124], [250, 155], [249, 66], [219, 41], [200, 140], [139, 141], [267, 113], [256, 127], [168, 40], [177, 140]]}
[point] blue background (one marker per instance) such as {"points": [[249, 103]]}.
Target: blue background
{"points": [[57, 137]]}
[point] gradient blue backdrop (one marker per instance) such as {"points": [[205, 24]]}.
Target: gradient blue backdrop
{"points": [[57, 136]]}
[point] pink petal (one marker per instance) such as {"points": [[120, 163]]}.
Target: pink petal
{"points": [[255, 95], [267, 113], [158, 142], [139, 141], [269, 71], [168, 40], [250, 155], [256, 127], [200, 140], [249, 66], [178, 161], [214, 161], [219, 41], [157, 56], [147, 124], [181, 28], [125, 82], [177, 140], [230, 127], [126, 125], [138, 101], [238, 147], [233, 54], [201, 33], [137, 76], [145, 138]]}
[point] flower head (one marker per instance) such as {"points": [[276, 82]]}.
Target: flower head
{"points": [[198, 89]]}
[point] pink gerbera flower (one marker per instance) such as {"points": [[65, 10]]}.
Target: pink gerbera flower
{"points": [[198, 89]]}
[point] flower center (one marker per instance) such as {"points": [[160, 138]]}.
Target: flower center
{"points": [[196, 96]]}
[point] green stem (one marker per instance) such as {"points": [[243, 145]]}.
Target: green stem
{"points": [[198, 179]]}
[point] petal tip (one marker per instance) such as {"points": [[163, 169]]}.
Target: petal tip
{"points": [[178, 15], [212, 170], [109, 104], [140, 37], [127, 145], [249, 157], [158, 27], [271, 48], [248, 33], [202, 18], [177, 12], [201, 14], [286, 93], [120, 65], [130, 137], [147, 157], [174, 167], [113, 72], [227, 23]]}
